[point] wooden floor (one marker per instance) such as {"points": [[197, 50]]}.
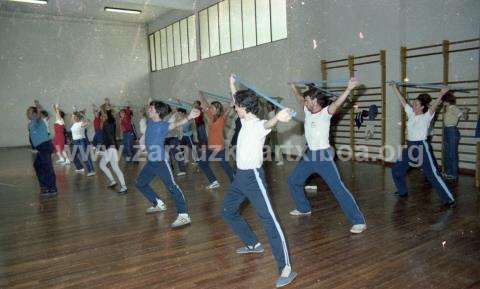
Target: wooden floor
{"points": [[89, 237]]}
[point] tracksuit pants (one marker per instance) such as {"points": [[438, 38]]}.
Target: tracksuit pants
{"points": [[204, 163], [44, 168], [322, 163], [427, 160], [250, 185], [162, 170]]}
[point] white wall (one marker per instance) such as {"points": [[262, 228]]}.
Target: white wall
{"points": [[335, 25], [67, 60]]}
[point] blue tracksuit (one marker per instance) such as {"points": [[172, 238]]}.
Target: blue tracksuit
{"points": [[251, 185], [321, 162], [162, 170], [204, 164], [400, 168], [158, 165]]}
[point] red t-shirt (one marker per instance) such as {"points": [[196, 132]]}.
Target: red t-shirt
{"points": [[97, 123], [126, 122], [199, 119]]}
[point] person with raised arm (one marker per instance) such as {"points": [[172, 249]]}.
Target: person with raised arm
{"points": [[81, 148], [43, 149], [419, 116], [158, 164], [250, 184], [216, 118], [110, 151], [59, 137], [319, 158]]}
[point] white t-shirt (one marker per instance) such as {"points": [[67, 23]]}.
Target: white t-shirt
{"points": [[171, 119], [317, 129], [417, 125], [251, 139], [143, 125], [78, 131]]}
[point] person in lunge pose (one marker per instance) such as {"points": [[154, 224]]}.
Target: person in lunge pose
{"points": [[158, 164], [249, 184], [217, 118], [418, 151], [110, 151], [319, 157], [81, 148]]}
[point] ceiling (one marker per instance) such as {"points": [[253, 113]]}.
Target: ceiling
{"points": [[94, 9]]}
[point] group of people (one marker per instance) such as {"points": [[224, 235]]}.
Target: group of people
{"points": [[248, 181]]}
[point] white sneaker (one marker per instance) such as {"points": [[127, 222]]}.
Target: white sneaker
{"points": [[112, 184], [298, 213], [80, 171], [182, 220], [90, 174], [213, 185], [358, 228], [67, 162], [159, 208], [181, 174], [60, 162], [280, 163]]}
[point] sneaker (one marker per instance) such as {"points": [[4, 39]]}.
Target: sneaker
{"points": [[298, 213], [400, 195], [67, 162], [123, 191], [285, 278], [90, 174], [280, 163], [450, 204], [449, 177], [61, 162], [181, 174], [158, 208], [80, 171], [358, 228], [213, 185], [182, 220], [258, 248], [48, 194], [112, 184]]}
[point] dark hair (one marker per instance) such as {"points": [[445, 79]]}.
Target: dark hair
{"points": [[248, 100], [449, 97], [61, 113], [182, 110], [197, 102], [219, 108], [78, 115], [44, 113], [317, 94], [271, 107], [33, 108], [425, 100], [161, 108]]}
